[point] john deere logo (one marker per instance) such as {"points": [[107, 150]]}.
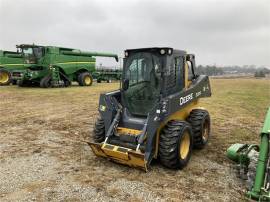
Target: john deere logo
{"points": [[185, 99]]}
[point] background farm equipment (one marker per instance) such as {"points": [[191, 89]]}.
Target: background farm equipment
{"points": [[9, 61], [108, 75], [253, 164], [49, 66]]}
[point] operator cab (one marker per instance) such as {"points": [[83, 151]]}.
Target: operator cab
{"points": [[31, 53], [150, 74]]}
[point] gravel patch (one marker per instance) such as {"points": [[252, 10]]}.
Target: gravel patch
{"points": [[133, 189], [16, 173]]}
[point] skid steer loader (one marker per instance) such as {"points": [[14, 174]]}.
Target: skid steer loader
{"points": [[156, 113]]}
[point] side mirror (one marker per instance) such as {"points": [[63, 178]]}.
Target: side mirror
{"points": [[125, 84]]}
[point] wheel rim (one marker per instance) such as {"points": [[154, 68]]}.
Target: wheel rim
{"points": [[184, 145], [4, 77], [87, 80], [205, 134]]}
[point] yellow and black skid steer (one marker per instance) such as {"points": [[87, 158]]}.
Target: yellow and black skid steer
{"points": [[156, 113]]}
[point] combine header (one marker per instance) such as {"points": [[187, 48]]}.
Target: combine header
{"points": [[254, 164]]}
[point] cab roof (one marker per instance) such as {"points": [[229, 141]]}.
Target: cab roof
{"points": [[35, 45], [157, 49]]}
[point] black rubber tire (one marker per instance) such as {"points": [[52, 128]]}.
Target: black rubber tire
{"points": [[64, 78], [67, 83], [9, 77], [98, 81], [14, 82], [99, 131], [199, 119], [45, 82], [22, 83], [81, 79], [169, 144]]}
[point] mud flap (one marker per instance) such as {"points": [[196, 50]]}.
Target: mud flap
{"points": [[119, 154]]}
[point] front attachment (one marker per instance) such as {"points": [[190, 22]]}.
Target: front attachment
{"points": [[120, 154]]}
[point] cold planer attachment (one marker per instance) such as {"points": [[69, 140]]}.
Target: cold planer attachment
{"points": [[133, 121]]}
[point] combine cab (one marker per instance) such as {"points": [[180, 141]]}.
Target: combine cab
{"points": [[156, 113]]}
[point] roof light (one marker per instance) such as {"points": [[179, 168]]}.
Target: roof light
{"points": [[126, 53], [162, 51]]}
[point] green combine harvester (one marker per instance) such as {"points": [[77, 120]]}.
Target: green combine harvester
{"points": [[254, 164], [9, 61], [50, 66]]}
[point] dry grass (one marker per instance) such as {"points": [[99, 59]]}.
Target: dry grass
{"points": [[51, 122]]}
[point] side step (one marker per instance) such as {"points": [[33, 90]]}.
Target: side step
{"points": [[119, 154]]}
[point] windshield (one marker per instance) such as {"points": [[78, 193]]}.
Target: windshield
{"points": [[143, 70], [34, 51], [27, 51]]}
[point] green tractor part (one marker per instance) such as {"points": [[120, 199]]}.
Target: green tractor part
{"points": [[50, 66], [157, 113], [254, 162], [9, 61], [107, 75]]}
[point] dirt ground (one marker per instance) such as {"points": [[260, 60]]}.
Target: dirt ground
{"points": [[42, 157]]}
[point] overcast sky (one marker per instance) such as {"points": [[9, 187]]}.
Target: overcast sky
{"points": [[223, 32]]}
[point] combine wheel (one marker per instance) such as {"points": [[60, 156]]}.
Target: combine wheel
{"points": [[14, 82], [200, 122], [67, 83], [85, 79], [175, 144], [99, 131], [5, 77], [46, 82], [23, 83]]}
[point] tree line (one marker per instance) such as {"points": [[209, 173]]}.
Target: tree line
{"points": [[213, 70]]}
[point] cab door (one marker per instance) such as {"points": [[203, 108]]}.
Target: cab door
{"points": [[175, 74]]}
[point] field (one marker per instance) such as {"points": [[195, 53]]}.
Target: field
{"points": [[43, 156]]}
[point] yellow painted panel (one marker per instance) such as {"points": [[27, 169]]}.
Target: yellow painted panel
{"points": [[121, 130]]}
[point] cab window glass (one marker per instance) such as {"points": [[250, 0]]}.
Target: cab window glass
{"points": [[38, 52], [190, 73], [28, 51], [172, 73]]}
